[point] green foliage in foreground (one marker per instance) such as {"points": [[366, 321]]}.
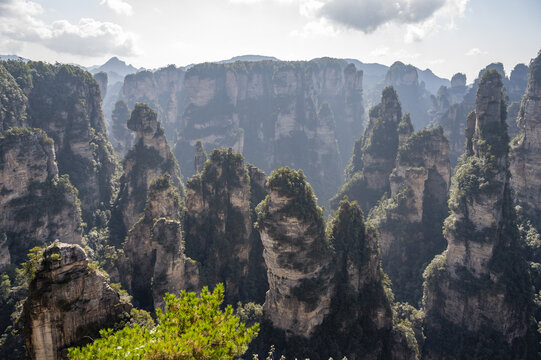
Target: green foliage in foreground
{"points": [[191, 327]]}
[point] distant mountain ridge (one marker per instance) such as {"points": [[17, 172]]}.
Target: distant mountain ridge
{"points": [[114, 65]]}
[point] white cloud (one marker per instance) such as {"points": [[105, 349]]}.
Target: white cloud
{"points": [[421, 17], [119, 6], [319, 27], [20, 24], [368, 15], [476, 52]]}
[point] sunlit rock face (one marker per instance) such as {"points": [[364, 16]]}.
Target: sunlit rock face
{"points": [[150, 158], [219, 229], [69, 300], [301, 114], [326, 285], [296, 254], [36, 205], [479, 288], [65, 102]]}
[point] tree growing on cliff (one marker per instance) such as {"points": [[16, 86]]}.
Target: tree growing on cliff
{"points": [[191, 327]]}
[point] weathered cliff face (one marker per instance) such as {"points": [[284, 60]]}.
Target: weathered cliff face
{"points": [[65, 102], [163, 90], [296, 253], [360, 308], [219, 226], [526, 151], [410, 220], [413, 95], [154, 260], [36, 205], [69, 300], [268, 110], [273, 113], [13, 102], [325, 286], [374, 154], [477, 293], [148, 159], [122, 138]]}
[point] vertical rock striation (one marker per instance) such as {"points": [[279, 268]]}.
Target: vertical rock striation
{"points": [[410, 220], [65, 102], [477, 293], [147, 160], [326, 294], [69, 302], [36, 205], [154, 249], [219, 225], [374, 154], [297, 255], [526, 151], [267, 110]]}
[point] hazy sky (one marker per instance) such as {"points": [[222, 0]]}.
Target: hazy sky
{"points": [[445, 35]]}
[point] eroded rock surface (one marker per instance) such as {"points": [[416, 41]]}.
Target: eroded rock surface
{"points": [[69, 300], [148, 159], [410, 220], [36, 205], [477, 293], [374, 154], [219, 225], [155, 262], [526, 151]]}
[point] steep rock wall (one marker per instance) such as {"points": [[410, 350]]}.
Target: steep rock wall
{"points": [[68, 301]]}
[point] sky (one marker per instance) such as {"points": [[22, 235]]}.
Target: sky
{"points": [[447, 36]]}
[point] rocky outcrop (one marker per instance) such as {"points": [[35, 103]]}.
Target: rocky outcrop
{"points": [[13, 102], [65, 101], [219, 226], [526, 151], [270, 111], [200, 157], [163, 90], [518, 81], [478, 293], [36, 205], [410, 220], [148, 159], [413, 95], [326, 286], [267, 110], [374, 154], [360, 304], [447, 97], [69, 302], [155, 262], [122, 138], [296, 253]]}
